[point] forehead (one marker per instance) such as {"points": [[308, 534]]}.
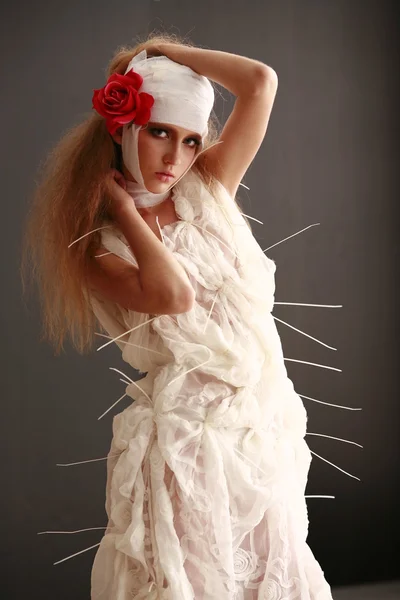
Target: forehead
{"points": [[174, 128]]}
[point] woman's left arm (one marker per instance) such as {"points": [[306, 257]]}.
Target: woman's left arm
{"points": [[255, 85]]}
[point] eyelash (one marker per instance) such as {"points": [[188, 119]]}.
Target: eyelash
{"points": [[153, 131]]}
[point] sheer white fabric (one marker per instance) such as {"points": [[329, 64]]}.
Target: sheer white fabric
{"points": [[208, 465]]}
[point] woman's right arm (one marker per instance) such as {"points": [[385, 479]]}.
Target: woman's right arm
{"points": [[119, 281], [159, 285]]}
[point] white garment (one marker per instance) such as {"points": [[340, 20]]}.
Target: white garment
{"points": [[206, 496]]}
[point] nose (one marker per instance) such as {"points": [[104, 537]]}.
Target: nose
{"points": [[173, 155]]}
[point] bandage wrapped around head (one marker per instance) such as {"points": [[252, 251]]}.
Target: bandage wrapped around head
{"points": [[181, 97]]}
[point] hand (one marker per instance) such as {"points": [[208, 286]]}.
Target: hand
{"points": [[155, 50], [115, 185], [173, 50], [179, 53]]}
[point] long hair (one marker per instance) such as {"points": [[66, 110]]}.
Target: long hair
{"points": [[70, 200]]}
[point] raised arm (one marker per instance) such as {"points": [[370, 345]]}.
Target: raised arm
{"points": [[159, 284], [255, 85]]}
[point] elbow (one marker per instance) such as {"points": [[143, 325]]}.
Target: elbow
{"points": [[185, 301], [267, 74], [265, 77]]}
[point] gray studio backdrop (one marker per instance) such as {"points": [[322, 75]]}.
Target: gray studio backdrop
{"points": [[329, 157]]}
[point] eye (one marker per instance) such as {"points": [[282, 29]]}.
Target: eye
{"points": [[196, 141], [156, 131], [192, 142]]}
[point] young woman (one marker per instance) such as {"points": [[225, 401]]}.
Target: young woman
{"points": [[136, 228]]}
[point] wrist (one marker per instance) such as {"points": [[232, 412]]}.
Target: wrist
{"points": [[179, 53], [125, 210]]}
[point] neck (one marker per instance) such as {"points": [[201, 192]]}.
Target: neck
{"points": [[152, 210], [142, 197]]}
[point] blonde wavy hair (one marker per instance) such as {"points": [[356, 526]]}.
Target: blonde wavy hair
{"points": [[69, 200]]}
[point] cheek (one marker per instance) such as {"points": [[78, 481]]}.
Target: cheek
{"points": [[147, 149], [189, 156]]}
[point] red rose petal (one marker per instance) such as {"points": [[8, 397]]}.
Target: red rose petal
{"points": [[131, 99], [112, 126], [135, 79], [124, 119], [146, 99], [120, 103], [146, 102]]}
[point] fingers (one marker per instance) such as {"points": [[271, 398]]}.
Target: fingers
{"points": [[119, 178]]}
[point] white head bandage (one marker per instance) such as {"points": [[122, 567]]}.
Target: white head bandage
{"points": [[181, 97]]}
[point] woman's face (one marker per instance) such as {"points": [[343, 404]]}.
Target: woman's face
{"points": [[164, 148]]}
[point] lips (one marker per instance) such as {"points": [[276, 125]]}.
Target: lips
{"points": [[165, 173]]}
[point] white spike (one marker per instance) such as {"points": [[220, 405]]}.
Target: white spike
{"points": [[160, 230], [121, 373], [313, 364], [71, 532], [76, 554], [262, 470], [210, 311], [82, 462], [328, 404], [245, 186], [89, 232], [100, 255], [112, 406], [333, 465], [131, 344], [249, 459], [290, 236], [334, 438], [254, 219], [319, 496], [125, 333], [306, 334], [319, 305], [134, 383], [189, 370]]}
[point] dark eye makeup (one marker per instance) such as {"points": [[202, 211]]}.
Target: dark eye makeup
{"points": [[156, 131]]}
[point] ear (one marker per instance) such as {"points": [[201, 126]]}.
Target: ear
{"points": [[117, 136]]}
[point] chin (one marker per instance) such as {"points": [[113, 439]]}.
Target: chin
{"points": [[158, 187]]}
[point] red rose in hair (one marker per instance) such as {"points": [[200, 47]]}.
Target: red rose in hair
{"points": [[119, 101]]}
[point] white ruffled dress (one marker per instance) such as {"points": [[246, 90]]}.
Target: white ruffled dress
{"points": [[208, 465]]}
